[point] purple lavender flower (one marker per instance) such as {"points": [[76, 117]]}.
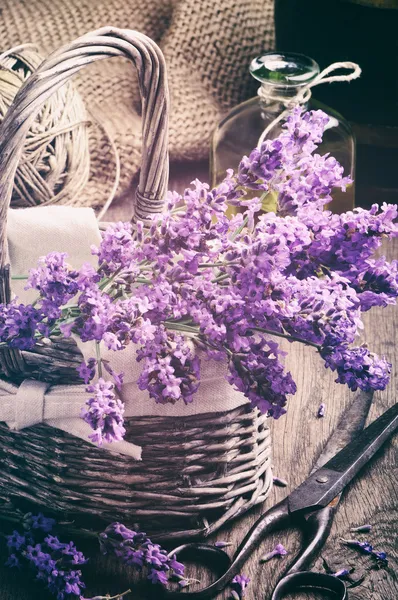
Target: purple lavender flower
{"points": [[239, 584], [341, 573], [306, 128], [321, 410], [279, 551], [310, 186], [345, 243], [287, 165], [177, 567], [260, 376], [55, 281], [15, 541], [135, 548], [121, 530], [380, 555], [39, 521], [19, 325], [96, 311], [255, 171], [221, 544], [377, 283], [366, 548], [87, 370], [13, 561], [117, 248], [363, 546], [357, 367], [156, 576], [171, 368], [52, 561], [104, 413], [327, 311], [117, 377]]}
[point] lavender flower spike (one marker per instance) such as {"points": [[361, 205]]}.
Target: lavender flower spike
{"points": [[239, 584], [104, 413], [366, 548], [134, 548], [321, 410], [279, 550], [341, 573], [53, 562], [222, 544]]}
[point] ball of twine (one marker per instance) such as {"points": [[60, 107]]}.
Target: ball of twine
{"points": [[55, 164]]}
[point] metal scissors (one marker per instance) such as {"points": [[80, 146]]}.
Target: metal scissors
{"points": [[311, 507]]}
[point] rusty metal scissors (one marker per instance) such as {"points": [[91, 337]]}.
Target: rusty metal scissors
{"points": [[311, 507]]}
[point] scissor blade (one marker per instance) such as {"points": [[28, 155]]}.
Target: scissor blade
{"points": [[328, 481], [351, 423]]}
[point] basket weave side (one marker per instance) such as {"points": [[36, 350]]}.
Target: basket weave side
{"points": [[198, 472]]}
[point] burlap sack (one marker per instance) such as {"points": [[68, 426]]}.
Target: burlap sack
{"points": [[208, 46]]}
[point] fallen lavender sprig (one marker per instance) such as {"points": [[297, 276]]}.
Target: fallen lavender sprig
{"points": [[199, 285], [279, 551], [366, 548], [52, 561], [134, 548], [239, 585], [221, 544], [341, 573], [321, 410]]}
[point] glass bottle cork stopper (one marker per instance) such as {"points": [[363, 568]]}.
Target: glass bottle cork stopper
{"points": [[284, 70]]}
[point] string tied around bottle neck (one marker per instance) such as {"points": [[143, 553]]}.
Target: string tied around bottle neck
{"points": [[304, 94]]}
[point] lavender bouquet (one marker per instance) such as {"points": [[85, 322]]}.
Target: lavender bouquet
{"points": [[197, 285]]}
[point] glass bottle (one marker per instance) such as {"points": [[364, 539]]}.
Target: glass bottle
{"points": [[282, 77]]}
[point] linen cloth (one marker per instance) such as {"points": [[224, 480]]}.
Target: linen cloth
{"points": [[207, 45], [34, 232]]}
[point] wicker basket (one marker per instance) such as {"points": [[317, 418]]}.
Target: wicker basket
{"points": [[197, 471]]}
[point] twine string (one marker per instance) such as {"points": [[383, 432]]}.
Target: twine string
{"points": [[304, 94], [55, 166]]}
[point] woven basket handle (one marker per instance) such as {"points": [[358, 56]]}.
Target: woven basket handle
{"points": [[53, 72]]}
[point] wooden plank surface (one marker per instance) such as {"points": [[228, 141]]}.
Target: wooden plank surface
{"points": [[298, 439]]}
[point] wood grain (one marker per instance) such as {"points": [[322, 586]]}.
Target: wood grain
{"points": [[298, 439]]}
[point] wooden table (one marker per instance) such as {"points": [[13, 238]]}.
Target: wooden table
{"points": [[298, 439]]}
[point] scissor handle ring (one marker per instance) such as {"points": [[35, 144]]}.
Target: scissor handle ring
{"points": [[211, 556], [310, 580]]}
